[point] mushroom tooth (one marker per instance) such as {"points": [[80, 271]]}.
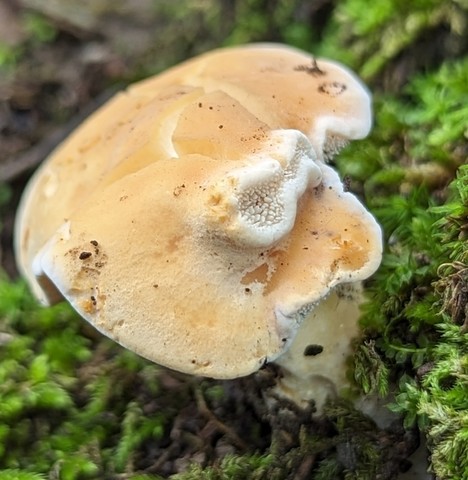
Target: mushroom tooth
{"points": [[256, 205], [350, 113], [332, 146], [333, 134]]}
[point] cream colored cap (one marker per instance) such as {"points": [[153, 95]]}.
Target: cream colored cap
{"points": [[197, 225]]}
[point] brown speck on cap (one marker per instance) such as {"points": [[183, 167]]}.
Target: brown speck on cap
{"points": [[333, 89], [178, 190]]}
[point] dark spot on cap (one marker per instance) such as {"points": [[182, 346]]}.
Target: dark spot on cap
{"points": [[312, 350], [333, 89], [94, 242], [200, 105], [84, 255], [220, 126], [178, 190]]}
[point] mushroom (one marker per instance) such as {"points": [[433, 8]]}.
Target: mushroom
{"points": [[193, 218]]}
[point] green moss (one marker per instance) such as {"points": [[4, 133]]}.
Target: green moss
{"points": [[38, 28], [9, 57], [378, 33], [417, 316], [246, 467], [278, 20], [19, 475]]}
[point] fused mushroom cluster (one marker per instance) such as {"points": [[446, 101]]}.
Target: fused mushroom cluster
{"points": [[193, 218]]}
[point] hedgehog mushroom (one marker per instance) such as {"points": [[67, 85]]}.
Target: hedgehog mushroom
{"points": [[193, 220]]}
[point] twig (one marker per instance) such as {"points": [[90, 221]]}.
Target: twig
{"points": [[204, 410]]}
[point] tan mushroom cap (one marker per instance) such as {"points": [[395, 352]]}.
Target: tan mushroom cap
{"points": [[138, 262], [197, 225], [284, 87]]}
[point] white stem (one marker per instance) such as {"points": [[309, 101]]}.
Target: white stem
{"points": [[314, 367]]}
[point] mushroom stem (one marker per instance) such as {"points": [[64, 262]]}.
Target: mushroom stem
{"points": [[314, 367]]}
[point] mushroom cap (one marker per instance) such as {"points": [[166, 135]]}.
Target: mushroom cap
{"points": [[192, 218]]}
